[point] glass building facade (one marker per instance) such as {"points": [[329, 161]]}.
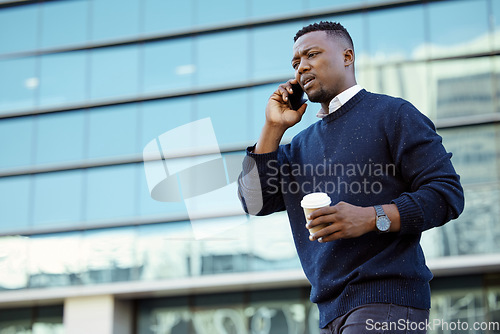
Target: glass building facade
{"points": [[85, 85]]}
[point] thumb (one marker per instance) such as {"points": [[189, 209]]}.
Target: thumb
{"points": [[302, 109]]}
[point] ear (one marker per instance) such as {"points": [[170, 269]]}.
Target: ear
{"points": [[348, 57]]}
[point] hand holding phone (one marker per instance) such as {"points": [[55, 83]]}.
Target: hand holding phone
{"points": [[297, 98]]}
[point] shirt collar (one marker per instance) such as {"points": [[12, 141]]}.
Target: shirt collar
{"points": [[339, 100]]}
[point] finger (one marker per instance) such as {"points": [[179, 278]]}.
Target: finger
{"points": [[283, 91], [329, 233], [321, 211]]}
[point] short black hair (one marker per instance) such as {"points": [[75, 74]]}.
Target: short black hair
{"points": [[332, 28]]}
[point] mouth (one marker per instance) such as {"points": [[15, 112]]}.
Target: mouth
{"points": [[307, 81]]}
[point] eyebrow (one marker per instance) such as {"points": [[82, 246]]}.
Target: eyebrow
{"points": [[303, 52]]}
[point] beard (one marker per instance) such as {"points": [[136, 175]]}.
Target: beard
{"points": [[320, 95]]}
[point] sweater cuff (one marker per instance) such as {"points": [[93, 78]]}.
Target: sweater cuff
{"points": [[261, 160], [411, 215]]}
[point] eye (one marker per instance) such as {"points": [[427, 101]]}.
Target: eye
{"points": [[295, 64], [311, 54]]}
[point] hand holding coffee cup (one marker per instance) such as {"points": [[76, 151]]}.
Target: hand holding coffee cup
{"points": [[313, 202]]}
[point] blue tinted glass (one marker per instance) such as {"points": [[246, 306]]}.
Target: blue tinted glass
{"points": [[407, 41], [220, 11], [272, 51], [18, 28], [161, 15], [275, 8], [229, 114], [58, 198], [164, 115], [454, 23], [16, 136], [112, 19], [222, 57], [113, 131], [64, 23], [114, 72], [112, 192], [317, 4], [495, 16], [156, 209], [14, 203], [168, 65], [60, 137], [18, 84], [63, 79]]}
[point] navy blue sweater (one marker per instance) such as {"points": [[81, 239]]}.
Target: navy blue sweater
{"points": [[375, 149]]}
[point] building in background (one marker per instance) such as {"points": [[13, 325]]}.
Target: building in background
{"points": [[85, 85]]}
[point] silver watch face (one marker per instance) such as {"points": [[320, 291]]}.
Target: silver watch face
{"points": [[383, 224]]}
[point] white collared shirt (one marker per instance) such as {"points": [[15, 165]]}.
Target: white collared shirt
{"points": [[339, 100]]}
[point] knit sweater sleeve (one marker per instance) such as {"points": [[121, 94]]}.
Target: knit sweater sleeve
{"points": [[435, 195], [258, 183]]}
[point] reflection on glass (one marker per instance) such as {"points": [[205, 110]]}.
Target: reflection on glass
{"points": [[18, 83], [458, 27], [114, 71], [16, 136], [14, 202], [58, 198], [19, 29], [13, 264], [222, 57], [392, 38], [168, 65], [48, 266], [272, 51], [111, 192], [162, 16], [49, 320], [72, 15], [60, 137], [165, 251], [15, 320], [219, 11], [63, 79], [464, 87], [327, 4], [115, 19], [113, 131], [109, 255], [495, 21]]}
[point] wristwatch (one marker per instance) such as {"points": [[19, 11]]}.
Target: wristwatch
{"points": [[383, 223]]}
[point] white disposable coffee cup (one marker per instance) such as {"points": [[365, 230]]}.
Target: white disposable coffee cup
{"points": [[313, 202]]}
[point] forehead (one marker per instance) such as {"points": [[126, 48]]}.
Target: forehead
{"points": [[313, 39]]}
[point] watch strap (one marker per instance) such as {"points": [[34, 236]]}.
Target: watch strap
{"points": [[379, 210]]}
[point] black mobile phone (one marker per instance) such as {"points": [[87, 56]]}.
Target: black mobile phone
{"points": [[297, 98]]}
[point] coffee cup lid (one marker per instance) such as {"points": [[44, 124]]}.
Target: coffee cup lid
{"points": [[315, 200]]}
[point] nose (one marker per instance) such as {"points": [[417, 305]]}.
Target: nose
{"points": [[303, 66]]}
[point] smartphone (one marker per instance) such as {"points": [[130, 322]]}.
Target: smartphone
{"points": [[297, 98]]}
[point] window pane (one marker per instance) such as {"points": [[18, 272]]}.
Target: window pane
{"points": [[272, 51], [60, 137], [222, 57], [64, 23], [58, 199], [48, 266], [109, 255], [111, 192], [463, 87], [18, 29], [115, 19], [405, 42], [63, 79], [14, 203], [458, 27], [160, 16], [220, 11], [168, 65], [114, 72], [18, 84], [16, 134], [495, 17], [275, 8], [316, 4], [113, 131]]}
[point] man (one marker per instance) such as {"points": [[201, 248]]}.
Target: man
{"points": [[387, 173]]}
